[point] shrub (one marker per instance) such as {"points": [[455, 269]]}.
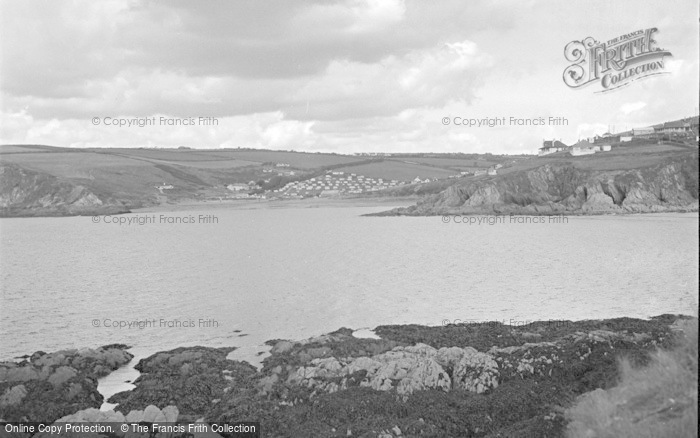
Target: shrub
{"points": [[657, 400]]}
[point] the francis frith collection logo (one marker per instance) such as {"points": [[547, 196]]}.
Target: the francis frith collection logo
{"points": [[614, 63]]}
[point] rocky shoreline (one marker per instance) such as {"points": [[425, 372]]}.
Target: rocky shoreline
{"points": [[481, 380], [562, 188]]}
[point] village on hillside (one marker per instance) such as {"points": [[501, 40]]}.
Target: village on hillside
{"points": [[683, 131], [282, 180]]}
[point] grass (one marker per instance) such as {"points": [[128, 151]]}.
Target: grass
{"points": [[390, 169], [453, 162], [300, 160], [657, 400]]}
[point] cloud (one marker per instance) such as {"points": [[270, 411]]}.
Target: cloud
{"points": [[425, 78], [344, 75], [632, 107]]}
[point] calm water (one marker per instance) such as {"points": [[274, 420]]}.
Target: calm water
{"points": [[298, 272]]}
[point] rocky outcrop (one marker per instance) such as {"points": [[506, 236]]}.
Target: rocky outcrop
{"points": [[49, 386], [151, 414], [404, 370], [480, 379], [191, 378], [25, 192], [488, 379], [563, 188]]}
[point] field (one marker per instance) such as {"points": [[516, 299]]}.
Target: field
{"points": [[131, 176], [399, 170], [453, 163], [299, 160], [623, 156]]}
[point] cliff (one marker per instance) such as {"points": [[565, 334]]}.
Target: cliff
{"points": [[564, 187], [26, 192]]}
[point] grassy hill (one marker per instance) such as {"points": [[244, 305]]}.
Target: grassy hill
{"points": [[45, 180], [38, 180]]}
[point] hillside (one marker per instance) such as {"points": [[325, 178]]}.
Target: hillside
{"points": [[638, 177], [632, 179], [38, 180]]}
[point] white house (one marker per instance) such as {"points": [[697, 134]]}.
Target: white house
{"points": [[583, 147], [643, 132], [550, 147]]}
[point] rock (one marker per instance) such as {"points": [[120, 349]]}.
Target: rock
{"points": [[171, 413], [20, 374], [475, 372], [62, 375], [282, 347], [405, 369], [192, 376], [153, 415], [449, 356], [93, 415], [134, 416], [185, 369], [58, 383], [560, 187], [74, 389], [266, 383], [13, 396]]}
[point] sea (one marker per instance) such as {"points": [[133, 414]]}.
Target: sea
{"points": [[238, 277]]}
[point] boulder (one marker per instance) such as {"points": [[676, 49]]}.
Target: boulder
{"points": [[13, 396], [282, 347], [475, 372], [62, 375]]}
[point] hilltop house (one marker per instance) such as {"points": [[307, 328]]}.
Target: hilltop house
{"points": [[607, 138], [643, 132], [583, 147], [677, 127], [551, 146]]}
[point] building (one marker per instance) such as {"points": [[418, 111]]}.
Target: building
{"points": [[550, 147], [164, 186], [677, 127], [605, 147], [238, 187], [583, 147], [643, 132], [492, 171], [607, 138]]}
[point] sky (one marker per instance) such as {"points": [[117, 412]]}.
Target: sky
{"points": [[342, 76]]}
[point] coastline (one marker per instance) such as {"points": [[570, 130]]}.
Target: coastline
{"points": [[403, 375], [388, 202]]}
